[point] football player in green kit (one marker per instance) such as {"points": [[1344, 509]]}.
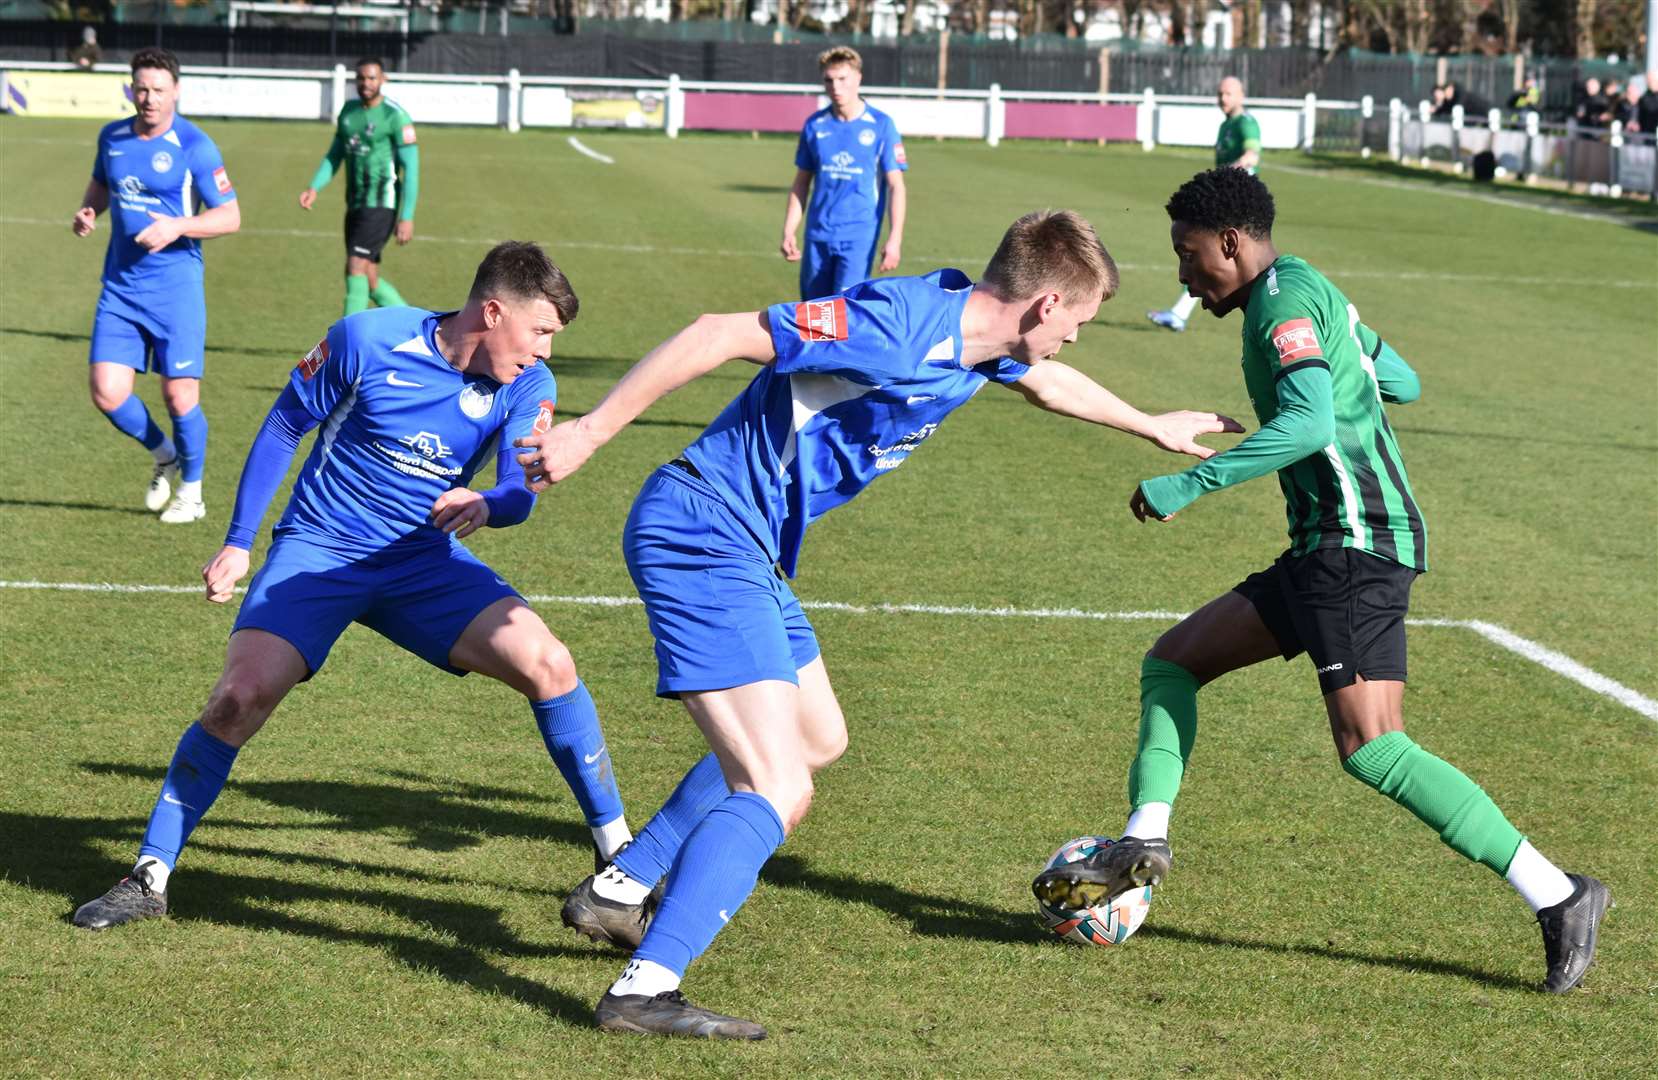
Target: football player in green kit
{"points": [[375, 140], [1237, 145], [1318, 378]]}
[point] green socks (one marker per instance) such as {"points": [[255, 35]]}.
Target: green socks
{"points": [[386, 295], [356, 293], [1438, 793], [1168, 726]]}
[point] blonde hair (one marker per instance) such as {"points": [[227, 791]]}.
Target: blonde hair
{"points": [[1051, 250], [840, 54]]}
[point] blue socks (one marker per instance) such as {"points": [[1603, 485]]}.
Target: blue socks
{"points": [[653, 851], [570, 728], [200, 767], [133, 419], [715, 872], [190, 435]]}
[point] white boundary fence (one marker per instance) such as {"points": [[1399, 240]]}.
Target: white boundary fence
{"points": [[514, 101]]}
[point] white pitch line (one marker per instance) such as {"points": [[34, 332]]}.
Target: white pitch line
{"points": [[1541, 655], [758, 252], [582, 148]]}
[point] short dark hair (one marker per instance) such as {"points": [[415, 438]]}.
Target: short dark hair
{"points": [[152, 56], [1224, 198], [1051, 249], [520, 269], [366, 61]]}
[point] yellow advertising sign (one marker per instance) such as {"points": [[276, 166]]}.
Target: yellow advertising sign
{"points": [[67, 93], [644, 109]]}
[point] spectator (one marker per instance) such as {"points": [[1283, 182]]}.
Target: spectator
{"points": [[1527, 97], [1646, 109], [87, 53], [1441, 104], [1626, 106], [1594, 110]]}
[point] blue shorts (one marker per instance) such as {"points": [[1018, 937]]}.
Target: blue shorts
{"points": [[423, 599], [833, 266], [169, 337], [721, 613]]}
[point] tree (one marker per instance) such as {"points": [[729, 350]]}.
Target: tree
{"points": [[1583, 27]]}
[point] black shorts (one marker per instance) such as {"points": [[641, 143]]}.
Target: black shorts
{"points": [[1345, 608], [367, 230]]}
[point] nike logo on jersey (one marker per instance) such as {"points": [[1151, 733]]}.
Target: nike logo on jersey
{"points": [[116, 153], [168, 797], [591, 758], [723, 916], [180, 365], [391, 377], [918, 399]]}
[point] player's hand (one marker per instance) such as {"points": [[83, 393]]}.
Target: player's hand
{"points": [[405, 232], [790, 249], [86, 219], [553, 455], [460, 512], [160, 232], [1141, 509], [228, 567], [308, 198], [1177, 432], [890, 255]]}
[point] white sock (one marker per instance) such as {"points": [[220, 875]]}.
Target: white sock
{"points": [[157, 870], [190, 490], [645, 977], [165, 452], [1184, 306], [611, 836], [1149, 821], [612, 884], [1539, 882]]}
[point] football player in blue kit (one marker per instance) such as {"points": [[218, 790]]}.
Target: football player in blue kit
{"points": [[849, 388], [851, 159], [165, 187], [411, 404]]}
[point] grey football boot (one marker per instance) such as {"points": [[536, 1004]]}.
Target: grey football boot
{"points": [[130, 900], [668, 1013], [1570, 929], [1128, 864], [606, 921]]}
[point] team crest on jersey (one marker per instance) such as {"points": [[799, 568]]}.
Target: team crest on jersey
{"points": [[221, 180], [821, 320], [313, 360], [543, 418], [476, 401], [1295, 340], [162, 161], [866, 137]]}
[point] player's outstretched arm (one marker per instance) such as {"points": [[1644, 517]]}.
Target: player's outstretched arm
{"points": [[1060, 388], [696, 350], [270, 455], [93, 203]]}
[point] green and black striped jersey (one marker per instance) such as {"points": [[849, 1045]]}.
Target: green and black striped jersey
{"points": [[1317, 378], [1353, 492]]}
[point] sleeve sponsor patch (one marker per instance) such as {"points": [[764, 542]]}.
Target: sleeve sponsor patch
{"points": [[898, 154], [221, 180], [408, 135], [313, 360], [543, 418], [1295, 340], [821, 320]]}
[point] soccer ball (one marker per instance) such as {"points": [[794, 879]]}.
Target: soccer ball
{"points": [[1110, 923]]}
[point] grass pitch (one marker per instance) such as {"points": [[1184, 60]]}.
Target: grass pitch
{"points": [[377, 890]]}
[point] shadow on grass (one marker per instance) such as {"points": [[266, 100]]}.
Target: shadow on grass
{"points": [[1525, 437], [1399, 963], [61, 855], [67, 504]]}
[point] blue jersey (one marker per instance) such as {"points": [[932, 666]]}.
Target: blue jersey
{"points": [[860, 380], [849, 161], [172, 174], [399, 427]]}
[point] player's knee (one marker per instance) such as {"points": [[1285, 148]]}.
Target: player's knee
{"points": [[238, 706], [827, 744], [106, 400], [552, 669]]}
